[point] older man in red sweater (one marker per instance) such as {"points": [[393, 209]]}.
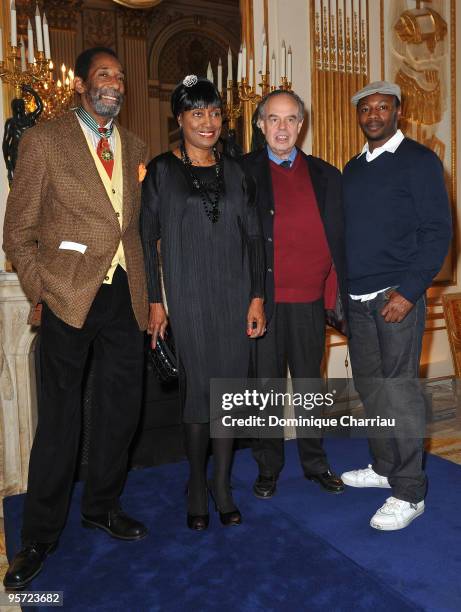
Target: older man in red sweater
{"points": [[299, 198]]}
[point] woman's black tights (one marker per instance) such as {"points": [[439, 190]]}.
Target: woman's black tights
{"points": [[197, 440]]}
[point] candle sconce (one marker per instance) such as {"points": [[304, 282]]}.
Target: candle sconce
{"points": [[247, 101], [38, 72], [232, 110], [241, 98]]}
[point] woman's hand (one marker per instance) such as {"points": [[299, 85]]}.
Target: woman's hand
{"points": [[256, 319], [158, 322]]}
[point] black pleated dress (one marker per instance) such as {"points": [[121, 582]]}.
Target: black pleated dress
{"points": [[210, 271]]}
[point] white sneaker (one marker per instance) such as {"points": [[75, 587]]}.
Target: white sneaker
{"points": [[396, 514], [365, 478]]}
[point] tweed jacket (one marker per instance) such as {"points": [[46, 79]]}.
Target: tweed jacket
{"points": [[58, 196]]}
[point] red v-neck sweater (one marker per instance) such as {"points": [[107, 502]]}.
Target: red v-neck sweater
{"points": [[302, 260]]}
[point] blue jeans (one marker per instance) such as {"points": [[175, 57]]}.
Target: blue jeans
{"points": [[390, 353]]}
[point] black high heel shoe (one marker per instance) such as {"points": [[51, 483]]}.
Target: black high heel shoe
{"points": [[228, 519], [198, 522]]}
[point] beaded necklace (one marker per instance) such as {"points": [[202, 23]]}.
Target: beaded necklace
{"points": [[210, 202]]}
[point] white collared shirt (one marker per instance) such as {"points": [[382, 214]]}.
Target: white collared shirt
{"points": [[94, 138], [390, 146]]}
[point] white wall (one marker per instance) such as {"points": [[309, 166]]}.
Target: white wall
{"points": [[289, 22]]}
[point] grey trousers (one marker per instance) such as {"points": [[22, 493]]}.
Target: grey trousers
{"points": [[385, 365]]}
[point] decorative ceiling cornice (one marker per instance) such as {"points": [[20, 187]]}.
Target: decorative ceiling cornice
{"points": [[61, 14], [135, 22]]}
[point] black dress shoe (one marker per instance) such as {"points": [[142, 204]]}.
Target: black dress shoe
{"points": [[264, 486], [328, 481], [117, 524], [27, 564]]}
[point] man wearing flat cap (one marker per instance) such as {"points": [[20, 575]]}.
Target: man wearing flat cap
{"points": [[398, 230]]}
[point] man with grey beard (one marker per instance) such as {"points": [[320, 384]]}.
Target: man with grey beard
{"points": [[72, 232]]}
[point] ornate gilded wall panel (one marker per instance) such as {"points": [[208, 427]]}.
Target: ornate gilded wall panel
{"points": [[61, 14], [419, 53], [99, 28], [135, 23], [339, 59]]}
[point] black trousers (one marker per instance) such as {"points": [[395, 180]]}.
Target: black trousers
{"points": [[112, 331], [390, 352], [295, 338]]}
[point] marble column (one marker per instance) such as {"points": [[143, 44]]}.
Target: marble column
{"points": [[18, 403]]}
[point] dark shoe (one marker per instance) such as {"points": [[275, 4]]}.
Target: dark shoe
{"points": [[27, 564], [199, 522], [328, 481], [264, 486], [230, 518], [117, 524]]}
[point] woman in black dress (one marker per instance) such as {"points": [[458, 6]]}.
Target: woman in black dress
{"points": [[198, 204]]}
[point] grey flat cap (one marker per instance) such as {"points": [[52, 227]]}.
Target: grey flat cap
{"points": [[382, 87]]}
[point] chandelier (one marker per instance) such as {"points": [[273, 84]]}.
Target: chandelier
{"points": [[37, 71]]}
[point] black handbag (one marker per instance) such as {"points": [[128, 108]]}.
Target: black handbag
{"points": [[163, 359]]}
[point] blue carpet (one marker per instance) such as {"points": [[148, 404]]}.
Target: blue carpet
{"points": [[302, 550]]}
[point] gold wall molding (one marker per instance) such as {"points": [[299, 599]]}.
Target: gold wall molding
{"points": [[7, 89], [61, 14], [135, 23], [99, 28], [339, 65], [246, 15]]}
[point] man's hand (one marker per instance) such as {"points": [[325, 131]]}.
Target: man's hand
{"points": [[158, 322], [396, 308], [256, 319]]}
